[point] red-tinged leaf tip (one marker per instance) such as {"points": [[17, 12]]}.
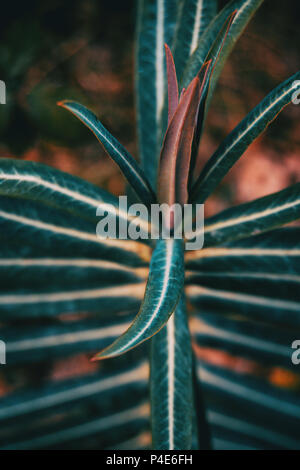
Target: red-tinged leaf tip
{"points": [[170, 149], [204, 71], [95, 358], [186, 145], [226, 27], [172, 83], [182, 93], [62, 103]]}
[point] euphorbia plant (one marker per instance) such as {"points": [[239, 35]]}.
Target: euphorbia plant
{"points": [[244, 283]]}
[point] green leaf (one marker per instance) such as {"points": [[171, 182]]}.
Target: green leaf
{"points": [[155, 26], [36, 343], [31, 230], [44, 229], [246, 9], [171, 384], [253, 217], [256, 277], [242, 136], [59, 272], [64, 412], [253, 404], [129, 167], [41, 183], [194, 17], [266, 344], [163, 290]]}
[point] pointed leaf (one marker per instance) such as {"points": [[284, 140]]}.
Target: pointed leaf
{"points": [[171, 384], [253, 217], [43, 343], [242, 136], [43, 184], [155, 26], [176, 150], [263, 413], [204, 76], [267, 344], [246, 9], [194, 17], [172, 84], [163, 290], [129, 167], [258, 278]]}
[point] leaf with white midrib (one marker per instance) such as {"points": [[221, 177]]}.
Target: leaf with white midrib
{"points": [[171, 384], [163, 290], [235, 144]]}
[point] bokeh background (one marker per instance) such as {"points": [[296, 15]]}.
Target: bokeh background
{"points": [[84, 50]]}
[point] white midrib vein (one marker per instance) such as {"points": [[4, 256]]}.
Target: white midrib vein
{"points": [[246, 298], [241, 136], [255, 216], [137, 374], [217, 252], [165, 284], [248, 394], [171, 378], [75, 195], [197, 25], [201, 328], [74, 262], [159, 60], [66, 338], [127, 290], [126, 244]]}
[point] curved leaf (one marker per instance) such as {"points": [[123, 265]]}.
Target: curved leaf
{"points": [[63, 413], [176, 150], [253, 217], [41, 229], [41, 183], [129, 167], [194, 17], [163, 290], [263, 406], [256, 277], [171, 384], [172, 84], [156, 22], [43, 343], [246, 9], [266, 344], [242, 136]]}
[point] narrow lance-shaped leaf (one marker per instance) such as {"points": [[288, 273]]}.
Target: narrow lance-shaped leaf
{"points": [[257, 341], [179, 137], [245, 10], [242, 136], [194, 17], [253, 217], [171, 384], [129, 167], [163, 290], [172, 84], [204, 75], [60, 340], [257, 409], [257, 277], [156, 22], [41, 183]]}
